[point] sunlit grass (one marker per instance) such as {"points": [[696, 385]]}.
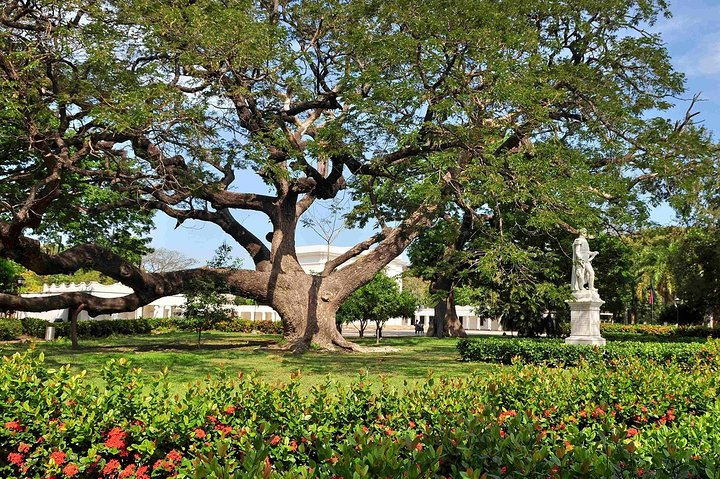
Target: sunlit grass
{"points": [[236, 352]]}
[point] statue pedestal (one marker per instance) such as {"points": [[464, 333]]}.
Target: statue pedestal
{"points": [[585, 319]]}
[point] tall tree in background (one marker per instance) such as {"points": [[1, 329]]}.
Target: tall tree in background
{"points": [[115, 110], [695, 265], [162, 260]]}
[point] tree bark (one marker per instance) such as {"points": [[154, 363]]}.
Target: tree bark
{"points": [[308, 319], [74, 313], [446, 321]]}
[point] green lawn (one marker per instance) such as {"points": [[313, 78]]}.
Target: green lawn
{"points": [[248, 353]]}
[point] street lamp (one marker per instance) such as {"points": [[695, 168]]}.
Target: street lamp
{"points": [[677, 311]]}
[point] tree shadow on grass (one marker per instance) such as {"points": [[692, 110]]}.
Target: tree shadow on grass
{"points": [[417, 356], [171, 347]]}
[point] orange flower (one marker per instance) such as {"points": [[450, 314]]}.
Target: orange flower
{"points": [[111, 467], [58, 457], [116, 438], [275, 440], [632, 432], [129, 471], [14, 426], [70, 470], [200, 434], [16, 458]]}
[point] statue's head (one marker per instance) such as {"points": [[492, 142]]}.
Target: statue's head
{"points": [[582, 231]]}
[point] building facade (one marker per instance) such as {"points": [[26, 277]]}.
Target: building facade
{"points": [[311, 258]]}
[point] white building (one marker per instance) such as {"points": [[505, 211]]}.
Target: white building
{"points": [[311, 258]]}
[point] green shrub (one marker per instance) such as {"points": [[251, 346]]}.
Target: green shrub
{"points": [[89, 328], [656, 330], [10, 329], [248, 326], [517, 421], [556, 352]]}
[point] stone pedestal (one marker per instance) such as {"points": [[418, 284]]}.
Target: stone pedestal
{"points": [[585, 319]]}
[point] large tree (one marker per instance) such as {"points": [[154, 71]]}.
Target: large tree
{"points": [[114, 110]]}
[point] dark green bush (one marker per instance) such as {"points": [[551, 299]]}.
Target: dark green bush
{"points": [[556, 352], [89, 328], [10, 329]]}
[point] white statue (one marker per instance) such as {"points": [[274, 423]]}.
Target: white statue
{"points": [[582, 272]]}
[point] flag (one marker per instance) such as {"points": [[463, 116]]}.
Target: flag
{"points": [[651, 298]]}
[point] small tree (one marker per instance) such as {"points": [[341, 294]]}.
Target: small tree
{"points": [[205, 307], [377, 301]]}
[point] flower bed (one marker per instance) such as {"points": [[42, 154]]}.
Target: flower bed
{"points": [[518, 421], [556, 352]]}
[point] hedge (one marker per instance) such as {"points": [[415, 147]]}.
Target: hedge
{"points": [[89, 328], [10, 329], [517, 421], [107, 327], [556, 352], [656, 330]]}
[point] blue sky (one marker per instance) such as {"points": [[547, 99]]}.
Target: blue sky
{"points": [[692, 37]]}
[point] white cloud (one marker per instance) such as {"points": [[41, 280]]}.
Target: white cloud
{"points": [[703, 59]]}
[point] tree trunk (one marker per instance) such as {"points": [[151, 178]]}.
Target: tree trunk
{"points": [[308, 314], [446, 321], [74, 313]]}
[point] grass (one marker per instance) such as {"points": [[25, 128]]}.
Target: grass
{"points": [[235, 352]]}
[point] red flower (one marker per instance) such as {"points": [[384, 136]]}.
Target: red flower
{"points": [[365, 429], [116, 439], [24, 447], [419, 446], [275, 440], [174, 456], [503, 470], [14, 426], [16, 458], [502, 434], [632, 432], [58, 457], [70, 470], [293, 446], [389, 431], [199, 433], [506, 414], [230, 410], [223, 429], [411, 424], [142, 473], [111, 467], [128, 471]]}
